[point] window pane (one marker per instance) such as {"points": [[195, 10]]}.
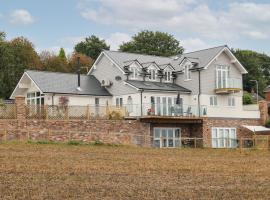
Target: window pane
{"points": [[157, 143], [170, 133], [157, 133], [164, 133], [164, 102]]}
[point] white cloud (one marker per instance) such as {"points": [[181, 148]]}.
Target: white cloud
{"points": [[116, 39], [193, 44], [238, 20], [21, 16]]}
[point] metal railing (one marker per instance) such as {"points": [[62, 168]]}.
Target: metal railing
{"points": [[7, 111], [229, 83], [172, 110]]}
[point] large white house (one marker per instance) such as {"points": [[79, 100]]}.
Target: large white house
{"points": [[206, 83]]}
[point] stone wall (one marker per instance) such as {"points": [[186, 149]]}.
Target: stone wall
{"points": [[107, 131]]}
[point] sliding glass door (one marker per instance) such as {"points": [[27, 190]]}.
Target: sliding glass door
{"points": [[166, 106], [167, 137], [224, 138]]}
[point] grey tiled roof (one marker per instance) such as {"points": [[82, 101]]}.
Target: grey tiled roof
{"points": [[202, 57], [66, 83], [147, 85]]}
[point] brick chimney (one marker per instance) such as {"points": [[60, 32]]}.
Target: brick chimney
{"points": [[267, 93]]}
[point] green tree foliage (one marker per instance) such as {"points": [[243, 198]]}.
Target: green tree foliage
{"points": [[153, 43], [2, 36], [54, 63], [258, 67], [247, 99], [91, 46], [62, 54], [15, 56]]}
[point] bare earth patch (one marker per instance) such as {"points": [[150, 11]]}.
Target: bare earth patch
{"points": [[36, 171]]}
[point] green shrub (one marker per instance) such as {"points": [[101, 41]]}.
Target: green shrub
{"points": [[74, 142], [247, 99], [267, 123], [115, 115], [41, 142]]}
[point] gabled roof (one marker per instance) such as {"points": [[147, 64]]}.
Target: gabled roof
{"points": [[149, 85], [66, 83], [201, 58]]}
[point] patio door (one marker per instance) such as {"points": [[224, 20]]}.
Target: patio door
{"points": [[224, 138], [165, 106], [167, 137]]}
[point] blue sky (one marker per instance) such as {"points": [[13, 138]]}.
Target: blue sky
{"points": [[196, 23]]}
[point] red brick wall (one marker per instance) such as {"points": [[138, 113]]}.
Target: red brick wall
{"points": [[241, 132], [108, 131]]}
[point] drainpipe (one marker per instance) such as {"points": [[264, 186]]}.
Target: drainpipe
{"points": [[199, 95], [53, 99], [141, 102]]}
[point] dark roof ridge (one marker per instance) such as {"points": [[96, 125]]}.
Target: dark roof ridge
{"points": [[205, 49], [67, 73], [136, 53]]}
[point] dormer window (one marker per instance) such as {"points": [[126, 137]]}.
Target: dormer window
{"points": [[134, 72], [187, 72], [153, 73], [168, 75]]}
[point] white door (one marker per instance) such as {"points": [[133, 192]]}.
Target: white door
{"points": [[224, 138]]}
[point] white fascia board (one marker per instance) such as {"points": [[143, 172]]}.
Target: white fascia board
{"points": [[131, 85], [100, 57], [24, 74], [227, 50]]}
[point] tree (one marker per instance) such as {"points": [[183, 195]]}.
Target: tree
{"points": [[91, 46], [2, 36], [15, 56], [62, 54], [153, 43], [258, 67], [54, 63], [85, 61]]}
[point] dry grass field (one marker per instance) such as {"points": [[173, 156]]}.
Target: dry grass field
{"points": [[60, 171]]}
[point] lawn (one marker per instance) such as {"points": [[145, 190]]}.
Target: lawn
{"points": [[61, 171]]}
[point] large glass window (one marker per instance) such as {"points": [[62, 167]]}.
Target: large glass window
{"points": [[119, 101], [35, 98], [222, 73], [167, 137], [224, 138]]}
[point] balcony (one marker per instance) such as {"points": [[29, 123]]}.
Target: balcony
{"points": [[166, 111], [229, 85]]}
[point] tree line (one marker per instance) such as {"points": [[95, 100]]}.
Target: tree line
{"points": [[19, 54]]}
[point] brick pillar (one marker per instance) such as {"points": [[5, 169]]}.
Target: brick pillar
{"points": [[263, 106], [206, 133], [20, 111]]}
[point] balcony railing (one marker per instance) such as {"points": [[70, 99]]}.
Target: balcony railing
{"points": [[228, 85], [166, 110]]}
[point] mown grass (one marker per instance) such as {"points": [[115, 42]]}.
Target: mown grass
{"points": [[61, 171]]}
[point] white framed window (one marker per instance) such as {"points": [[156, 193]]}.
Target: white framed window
{"points": [[134, 73], [223, 137], [213, 101], [167, 75], [222, 74], [119, 101], [167, 137], [153, 74], [231, 101], [187, 72], [35, 98]]}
